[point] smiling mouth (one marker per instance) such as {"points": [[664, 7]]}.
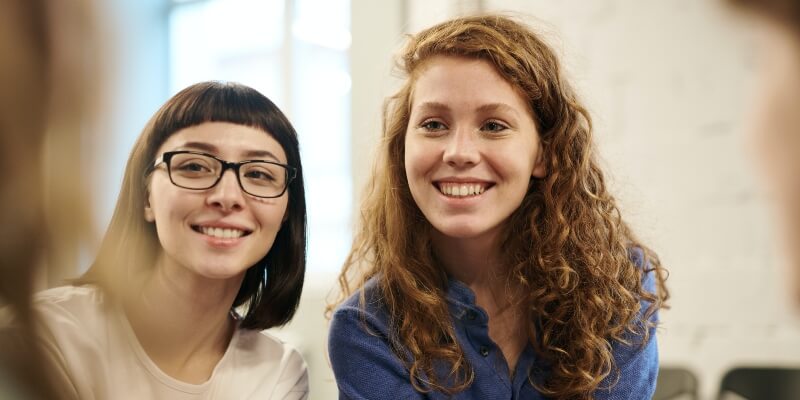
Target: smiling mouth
{"points": [[220, 233], [461, 190]]}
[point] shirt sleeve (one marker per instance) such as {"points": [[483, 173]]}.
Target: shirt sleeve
{"points": [[637, 361], [363, 363]]}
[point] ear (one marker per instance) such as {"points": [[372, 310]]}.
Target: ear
{"points": [[149, 216], [539, 168]]}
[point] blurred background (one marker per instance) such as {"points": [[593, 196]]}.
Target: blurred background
{"points": [[667, 84]]}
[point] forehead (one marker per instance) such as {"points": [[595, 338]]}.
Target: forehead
{"points": [[226, 140], [464, 81]]}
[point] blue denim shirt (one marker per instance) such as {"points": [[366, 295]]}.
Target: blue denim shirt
{"points": [[366, 368]]}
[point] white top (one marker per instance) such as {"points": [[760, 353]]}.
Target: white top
{"points": [[97, 356]]}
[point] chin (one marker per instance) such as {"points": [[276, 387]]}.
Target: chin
{"points": [[462, 231], [217, 271]]}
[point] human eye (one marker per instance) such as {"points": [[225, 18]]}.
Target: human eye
{"points": [[193, 164], [193, 167], [262, 173], [432, 126], [259, 175], [494, 127]]}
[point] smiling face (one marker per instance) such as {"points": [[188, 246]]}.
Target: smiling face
{"points": [[220, 232], [471, 148]]}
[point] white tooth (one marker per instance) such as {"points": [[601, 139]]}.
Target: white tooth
{"points": [[223, 233], [463, 190], [473, 189]]}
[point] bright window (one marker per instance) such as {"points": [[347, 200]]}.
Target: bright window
{"points": [[296, 53]]}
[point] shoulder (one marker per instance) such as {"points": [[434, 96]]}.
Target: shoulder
{"points": [[70, 296], [262, 363], [371, 292], [366, 306], [72, 316], [258, 347], [71, 306], [361, 325], [643, 262], [73, 331]]}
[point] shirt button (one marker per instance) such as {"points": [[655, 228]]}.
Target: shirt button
{"points": [[484, 351], [471, 315]]}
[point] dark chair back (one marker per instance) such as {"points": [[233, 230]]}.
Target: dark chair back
{"points": [[676, 383], [766, 383]]}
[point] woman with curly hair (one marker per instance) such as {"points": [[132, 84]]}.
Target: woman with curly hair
{"points": [[491, 261]]}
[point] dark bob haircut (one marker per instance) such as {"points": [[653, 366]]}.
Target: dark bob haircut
{"points": [[271, 288]]}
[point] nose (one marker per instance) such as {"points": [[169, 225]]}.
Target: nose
{"points": [[461, 149], [226, 195]]}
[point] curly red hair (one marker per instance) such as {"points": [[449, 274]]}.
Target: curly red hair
{"points": [[567, 244]]}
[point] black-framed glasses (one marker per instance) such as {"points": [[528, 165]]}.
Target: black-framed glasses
{"points": [[200, 171]]}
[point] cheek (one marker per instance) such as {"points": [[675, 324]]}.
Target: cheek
{"points": [[514, 162], [160, 201], [416, 161], [272, 214]]}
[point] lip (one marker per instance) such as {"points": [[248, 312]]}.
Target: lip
{"points": [[458, 179], [221, 225]]}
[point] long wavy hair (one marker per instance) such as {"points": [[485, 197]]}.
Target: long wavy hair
{"points": [[567, 244], [270, 292]]}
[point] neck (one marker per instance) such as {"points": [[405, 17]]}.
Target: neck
{"points": [[178, 316], [472, 260], [480, 265]]}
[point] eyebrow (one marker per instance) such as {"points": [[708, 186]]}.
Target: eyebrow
{"points": [[437, 106], [498, 107], [210, 148]]}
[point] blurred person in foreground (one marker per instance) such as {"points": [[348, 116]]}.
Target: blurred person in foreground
{"points": [[775, 115], [44, 103]]}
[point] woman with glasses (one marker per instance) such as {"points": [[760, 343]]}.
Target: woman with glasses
{"points": [[205, 249], [492, 262]]}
